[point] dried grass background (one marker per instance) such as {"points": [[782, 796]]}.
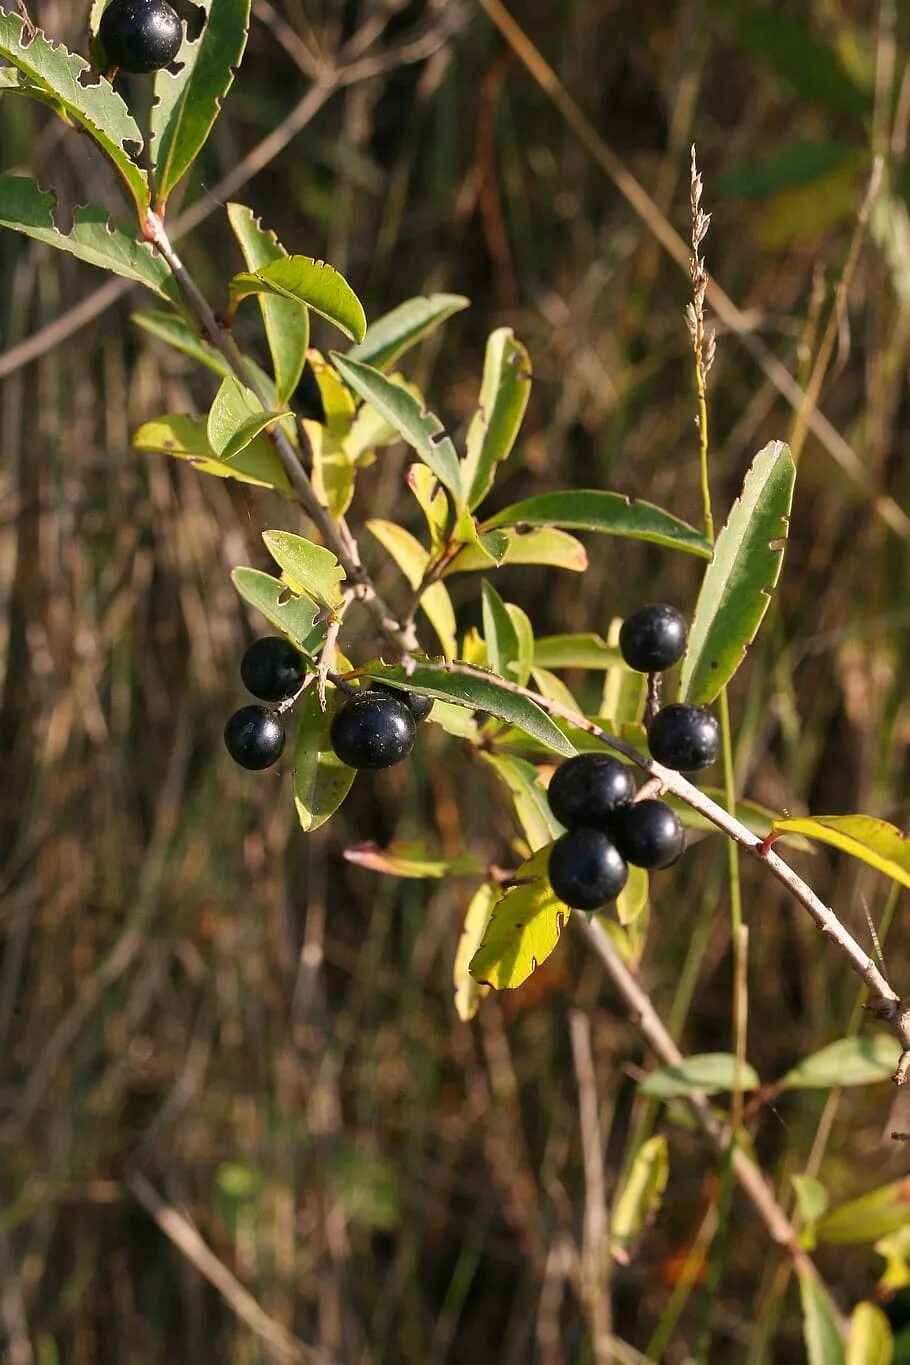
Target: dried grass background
{"points": [[204, 1012]]}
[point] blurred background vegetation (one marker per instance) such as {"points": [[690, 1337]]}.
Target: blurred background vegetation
{"points": [[201, 1006]]}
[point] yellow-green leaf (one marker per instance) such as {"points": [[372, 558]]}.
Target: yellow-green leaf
{"points": [[309, 282], [524, 928], [468, 992], [870, 1341], [185, 438], [876, 842], [321, 780], [639, 1199]]}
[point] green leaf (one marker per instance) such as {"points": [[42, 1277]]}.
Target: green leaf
{"points": [[499, 633], [553, 688], [311, 569], [706, 1073], [187, 104], [321, 780], [639, 1199], [57, 75], [174, 331], [287, 325], [430, 495], [822, 1335], [236, 418], [309, 283], [803, 64], [876, 842], [632, 900], [738, 582], [391, 335], [522, 779], [613, 514], [185, 438], [405, 858], [786, 166], [525, 545], [294, 615], [849, 1061], [524, 631], [576, 651], [870, 1341], [26, 208], [370, 431], [812, 1198], [895, 1248], [480, 694], [436, 605], [468, 993], [414, 423], [879, 1213], [524, 928], [504, 395]]}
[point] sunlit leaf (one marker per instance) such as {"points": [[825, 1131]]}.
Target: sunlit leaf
{"points": [[307, 282], [236, 418], [293, 615], [876, 842], [311, 568], [640, 1196], [287, 325], [321, 780], [707, 1073], [524, 928], [878, 1214], [468, 992], [632, 900], [849, 1061], [185, 438], [404, 858], [613, 514], [869, 1340], [390, 336], [537, 821], [175, 331], [575, 651], [504, 394]]}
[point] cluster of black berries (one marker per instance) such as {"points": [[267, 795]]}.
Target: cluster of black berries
{"points": [[373, 729], [592, 794], [140, 35]]}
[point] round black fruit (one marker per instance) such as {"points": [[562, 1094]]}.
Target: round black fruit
{"points": [[373, 731], [653, 638], [586, 869], [684, 737], [419, 707], [649, 834], [588, 789], [272, 668], [254, 737], [140, 35]]}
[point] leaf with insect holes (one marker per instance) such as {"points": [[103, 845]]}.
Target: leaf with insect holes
{"points": [[821, 1333], [524, 928], [321, 780], [308, 283], [876, 842], [295, 615], [56, 76], [25, 207], [849, 1061], [504, 394], [432, 499], [390, 336], [311, 569], [706, 1073], [738, 582], [479, 693], [236, 418], [640, 1196], [522, 545], [287, 325], [869, 1339], [532, 810], [185, 438], [188, 99], [408, 858], [612, 514], [421, 429], [468, 993]]}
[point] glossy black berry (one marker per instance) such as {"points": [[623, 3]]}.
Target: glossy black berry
{"points": [[586, 869], [649, 834], [254, 737], [272, 668], [653, 638], [588, 789], [373, 731], [419, 707], [684, 737], [140, 35]]}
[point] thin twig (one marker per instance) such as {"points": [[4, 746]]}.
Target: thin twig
{"points": [[595, 1254]]}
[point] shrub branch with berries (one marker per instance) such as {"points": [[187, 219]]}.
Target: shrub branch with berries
{"points": [[304, 428]]}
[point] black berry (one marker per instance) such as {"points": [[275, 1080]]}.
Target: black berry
{"points": [[649, 834], [684, 737], [419, 707], [140, 35], [272, 668], [653, 638], [586, 869], [373, 731], [588, 789], [254, 737]]}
